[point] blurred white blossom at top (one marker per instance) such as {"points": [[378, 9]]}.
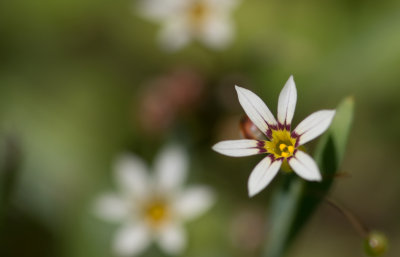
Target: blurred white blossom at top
{"points": [[152, 208], [208, 21]]}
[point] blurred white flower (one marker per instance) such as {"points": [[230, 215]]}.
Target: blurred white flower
{"points": [[208, 21], [284, 146], [152, 208]]}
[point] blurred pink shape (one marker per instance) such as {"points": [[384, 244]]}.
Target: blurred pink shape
{"points": [[165, 98]]}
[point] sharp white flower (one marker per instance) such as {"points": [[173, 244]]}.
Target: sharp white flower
{"points": [[283, 145], [208, 21], [152, 208]]}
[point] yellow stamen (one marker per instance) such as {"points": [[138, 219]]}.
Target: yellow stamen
{"points": [[285, 154], [156, 212], [282, 144], [198, 13]]}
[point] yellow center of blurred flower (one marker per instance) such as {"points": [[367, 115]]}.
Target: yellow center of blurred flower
{"points": [[282, 144], [156, 212], [198, 12]]}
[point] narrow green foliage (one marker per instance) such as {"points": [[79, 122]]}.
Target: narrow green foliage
{"points": [[297, 199], [10, 157]]}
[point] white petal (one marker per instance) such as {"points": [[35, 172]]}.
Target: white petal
{"points": [[217, 32], [287, 102], [159, 10], [131, 239], [305, 166], [314, 125], [262, 175], [171, 167], [256, 109], [175, 34], [111, 207], [237, 148], [194, 201], [172, 239], [131, 175], [222, 5]]}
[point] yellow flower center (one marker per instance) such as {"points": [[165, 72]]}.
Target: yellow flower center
{"points": [[198, 13], [156, 212], [282, 144]]}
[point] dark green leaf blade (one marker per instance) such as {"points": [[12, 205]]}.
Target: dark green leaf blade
{"points": [[296, 200]]}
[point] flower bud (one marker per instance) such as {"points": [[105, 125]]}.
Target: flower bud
{"points": [[248, 130], [375, 243]]}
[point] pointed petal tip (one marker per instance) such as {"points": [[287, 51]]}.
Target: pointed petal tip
{"points": [[291, 81], [287, 102], [252, 193], [252, 190], [237, 148], [216, 148], [332, 113], [238, 88], [315, 179], [314, 125]]}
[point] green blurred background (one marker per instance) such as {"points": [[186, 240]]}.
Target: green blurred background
{"points": [[76, 79]]}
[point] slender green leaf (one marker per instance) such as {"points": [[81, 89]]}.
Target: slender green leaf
{"points": [[296, 200]]}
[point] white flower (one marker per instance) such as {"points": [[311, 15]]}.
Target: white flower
{"points": [[283, 146], [152, 208], [183, 20]]}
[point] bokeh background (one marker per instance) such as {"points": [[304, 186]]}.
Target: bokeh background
{"points": [[82, 81]]}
